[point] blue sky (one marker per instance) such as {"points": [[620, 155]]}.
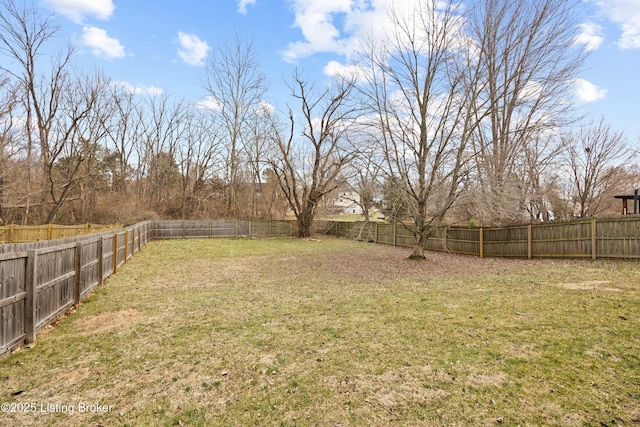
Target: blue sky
{"points": [[163, 45]]}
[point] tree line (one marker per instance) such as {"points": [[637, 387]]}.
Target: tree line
{"points": [[454, 112]]}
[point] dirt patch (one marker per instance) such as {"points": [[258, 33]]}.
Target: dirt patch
{"points": [[398, 388], [486, 380], [106, 322], [589, 285]]}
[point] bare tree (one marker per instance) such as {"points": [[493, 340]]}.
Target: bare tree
{"points": [[420, 87], [595, 156], [235, 86], [74, 137], [528, 59], [197, 157], [308, 168], [124, 132], [166, 125], [363, 178], [258, 149], [24, 35], [9, 147]]}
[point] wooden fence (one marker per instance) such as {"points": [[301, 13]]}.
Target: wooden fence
{"points": [[32, 233], [221, 228], [591, 238], [40, 281]]}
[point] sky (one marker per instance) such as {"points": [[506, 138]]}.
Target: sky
{"points": [[163, 46]]}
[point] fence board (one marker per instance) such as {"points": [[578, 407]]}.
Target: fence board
{"points": [[618, 239], [12, 298], [55, 282]]}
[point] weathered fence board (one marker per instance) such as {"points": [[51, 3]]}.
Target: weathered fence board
{"points": [[618, 239], [12, 297]]}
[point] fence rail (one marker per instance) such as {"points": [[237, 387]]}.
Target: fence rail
{"points": [[39, 281], [592, 238]]}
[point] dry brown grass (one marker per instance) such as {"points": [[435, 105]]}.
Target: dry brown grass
{"points": [[332, 332]]}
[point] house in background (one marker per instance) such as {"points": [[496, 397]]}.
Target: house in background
{"points": [[630, 195], [347, 202]]}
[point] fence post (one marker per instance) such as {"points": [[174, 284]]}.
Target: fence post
{"points": [[594, 252], [249, 228], [395, 226], [77, 282], [100, 261], [481, 234], [376, 236], [529, 241], [444, 239], [115, 252], [49, 231], [30, 317], [126, 245]]}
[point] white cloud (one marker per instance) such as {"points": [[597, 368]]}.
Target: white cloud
{"points": [[101, 44], [317, 21], [587, 92], [625, 13], [242, 5], [336, 69], [209, 103], [76, 10], [192, 50], [531, 91], [140, 89], [590, 36], [266, 108], [342, 26]]}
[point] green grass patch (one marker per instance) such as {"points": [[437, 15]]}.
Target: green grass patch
{"points": [[332, 332]]}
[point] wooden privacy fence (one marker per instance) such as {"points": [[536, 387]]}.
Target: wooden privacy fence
{"points": [[234, 229], [38, 283], [33, 233], [590, 238]]}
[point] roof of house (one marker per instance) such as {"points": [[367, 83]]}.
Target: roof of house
{"points": [[629, 195]]}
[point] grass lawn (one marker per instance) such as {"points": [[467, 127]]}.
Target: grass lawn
{"points": [[337, 333]]}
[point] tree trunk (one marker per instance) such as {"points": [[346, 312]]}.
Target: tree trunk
{"points": [[417, 252], [420, 241], [305, 221], [304, 228]]}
